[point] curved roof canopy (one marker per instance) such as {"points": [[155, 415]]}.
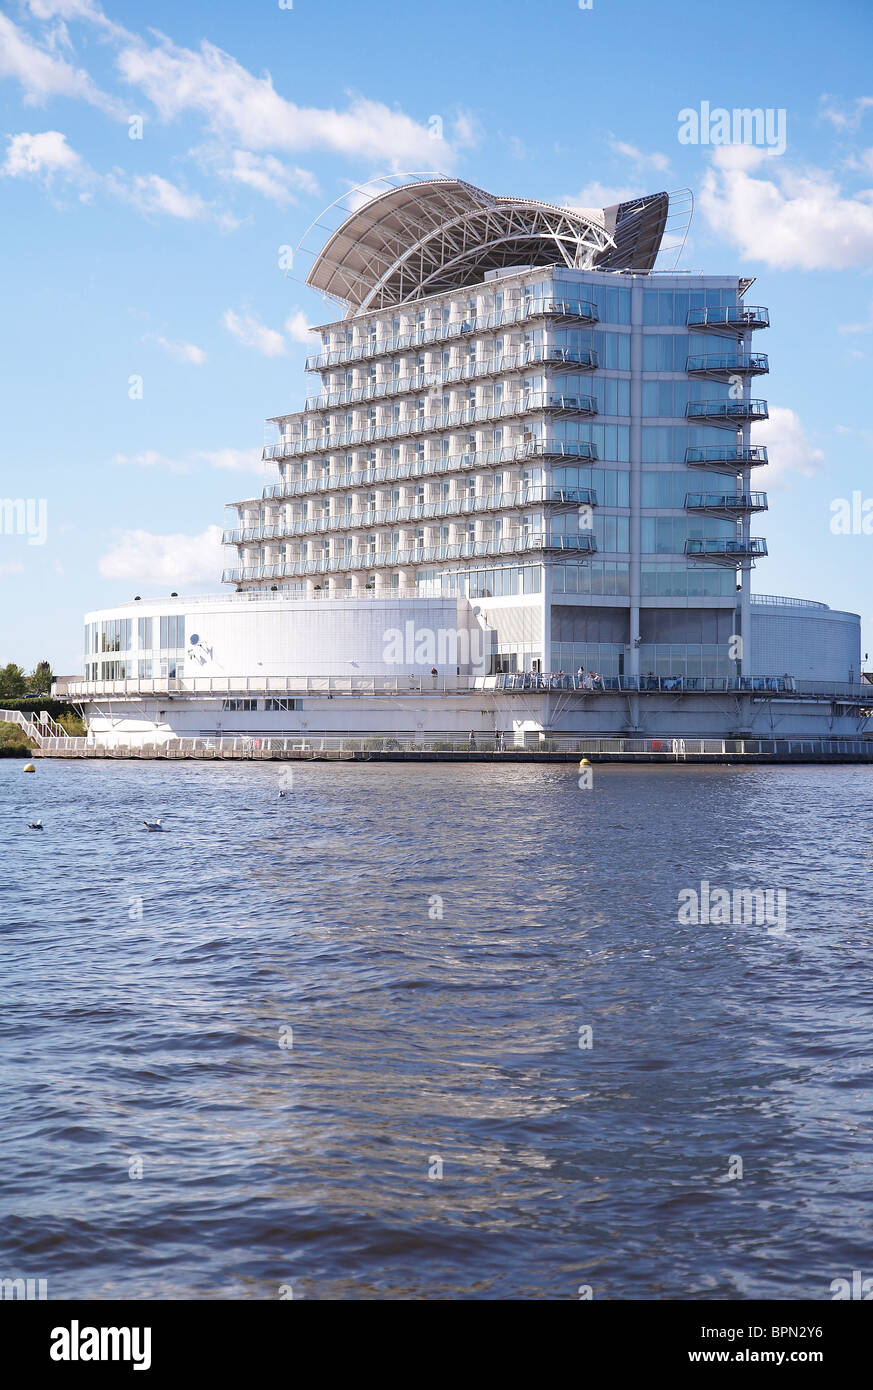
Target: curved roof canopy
{"points": [[440, 234]]}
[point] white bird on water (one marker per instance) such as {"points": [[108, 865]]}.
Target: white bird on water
{"points": [[153, 824]]}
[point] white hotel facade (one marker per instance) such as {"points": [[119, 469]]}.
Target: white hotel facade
{"points": [[527, 460]]}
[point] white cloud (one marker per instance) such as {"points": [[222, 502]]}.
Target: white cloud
{"points": [[151, 193], [466, 129], [226, 460], [297, 328], [846, 118], [254, 334], [183, 352], [248, 109], [232, 460], [598, 195], [268, 175], [41, 156], [46, 154], [43, 74], [789, 449], [171, 560], [11, 567], [642, 161], [149, 458], [864, 434], [791, 219]]}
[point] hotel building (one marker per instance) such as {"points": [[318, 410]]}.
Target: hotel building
{"points": [[527, 458]]}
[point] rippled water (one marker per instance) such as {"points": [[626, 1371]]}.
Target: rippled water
{"points": [[417, 1039]]}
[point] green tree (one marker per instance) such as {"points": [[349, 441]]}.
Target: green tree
{"points": [[12, 681], [40, 679]]}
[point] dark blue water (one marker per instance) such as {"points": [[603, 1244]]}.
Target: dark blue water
{"points": [[419, 1041]]}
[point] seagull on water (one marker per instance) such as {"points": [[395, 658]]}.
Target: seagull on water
{"points": [[34, 825], [153, 824]]}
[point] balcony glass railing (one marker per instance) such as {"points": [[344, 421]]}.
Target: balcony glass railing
{"points": [[738, 317], [726, 410], [524, 403], [580, 310], [443, 464], [419, 555], [743, 363], [713, 548], [585, 359], [752, 457], [726, 501], [536, 495]]}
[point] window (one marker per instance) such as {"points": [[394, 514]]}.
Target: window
{"points": [[115, 635], [234, 705], [116, 670], [172, 633], [281, 705], [144, 634], [144, 668]]}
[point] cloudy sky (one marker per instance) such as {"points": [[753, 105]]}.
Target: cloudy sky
{"points": [[156, 158]]}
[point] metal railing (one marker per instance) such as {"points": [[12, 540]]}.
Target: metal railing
{"points": [[522, 404], [661, 748], [745, 363], [777, 601], [437, 466], [710, 547], [726, 501], [588, 683], [584, 358], [425, 554], [592, 683], [739, 317], [727, 410], [749, 457], [530, 308], [535, 495], [37, 727]]}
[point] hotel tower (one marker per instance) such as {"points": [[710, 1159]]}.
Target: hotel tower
{"points": [[527, 459]]}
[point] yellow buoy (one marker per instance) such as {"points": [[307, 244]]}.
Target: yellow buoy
{"points": [[28, 767], [584, 762]]}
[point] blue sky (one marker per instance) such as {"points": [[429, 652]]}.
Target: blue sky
{"points": [[158, 257]]}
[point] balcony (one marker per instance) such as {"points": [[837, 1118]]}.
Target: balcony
{"points": [[493, 548], [440, 466], [726, 460], [582, 359], [728, 364], [556, 310], [726, 504], [537, 495], [525, 403], [726, 552], [725, 412], [732, 318]]}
